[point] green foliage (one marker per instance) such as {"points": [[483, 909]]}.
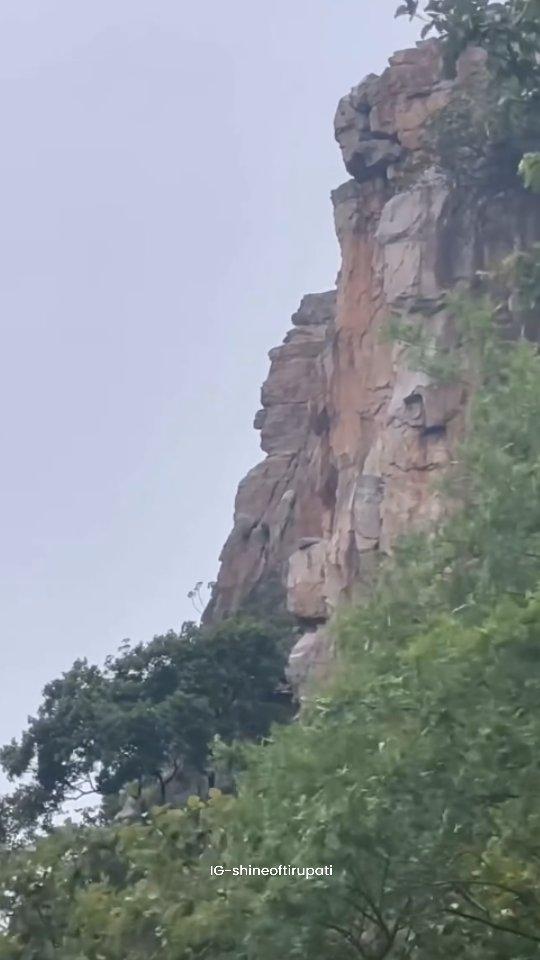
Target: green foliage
{"points": [[472, 321], [415, 773], [416, 777], [508, 30], [521, 275], [153, 708], [113, 892]]}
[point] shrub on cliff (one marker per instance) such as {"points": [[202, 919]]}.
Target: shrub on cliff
{"points": [[509, 32]]}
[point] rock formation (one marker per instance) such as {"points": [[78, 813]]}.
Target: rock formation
{"points": [[353, 435]]}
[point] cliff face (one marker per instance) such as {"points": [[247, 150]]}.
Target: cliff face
{"points": [[353, 436]]}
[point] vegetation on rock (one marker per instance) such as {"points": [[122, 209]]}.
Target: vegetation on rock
{"points": [[509, 31]]}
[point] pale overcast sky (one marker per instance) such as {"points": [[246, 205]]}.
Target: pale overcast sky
{"points": [[165, 175]]}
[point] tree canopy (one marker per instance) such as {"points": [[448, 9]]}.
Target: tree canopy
{"points": [[153, 709]]}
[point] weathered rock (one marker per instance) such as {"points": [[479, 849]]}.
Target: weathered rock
{"points": [[306, 582], [354, 434], [408, 234], [282, 500], [366, 511], [311, 659], [366, 157], [315, 308], [383, 118], [306, 542]]}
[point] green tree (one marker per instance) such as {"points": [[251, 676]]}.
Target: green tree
{"points": [[141, 890], [152, 711]]}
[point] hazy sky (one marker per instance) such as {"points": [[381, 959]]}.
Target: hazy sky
{"points": [[165, 174]]}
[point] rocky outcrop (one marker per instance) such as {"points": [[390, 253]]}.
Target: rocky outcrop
{"points": [[353, 433], [283, 501]]}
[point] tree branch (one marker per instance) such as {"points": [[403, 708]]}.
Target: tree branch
{"points": [[492, 925]]}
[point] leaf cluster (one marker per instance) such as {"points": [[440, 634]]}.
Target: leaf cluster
{"points": [[509, 30]]}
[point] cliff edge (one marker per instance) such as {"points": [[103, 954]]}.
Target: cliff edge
{"points": [[353, 435]]}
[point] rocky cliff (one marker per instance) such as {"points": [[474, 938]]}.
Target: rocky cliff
{"points": [[353, 434]]}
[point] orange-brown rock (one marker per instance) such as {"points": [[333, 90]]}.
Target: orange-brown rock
{"points": [[354, 435]]}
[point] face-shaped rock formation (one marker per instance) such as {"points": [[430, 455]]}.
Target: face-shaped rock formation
{"points": [[353, 435]]}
